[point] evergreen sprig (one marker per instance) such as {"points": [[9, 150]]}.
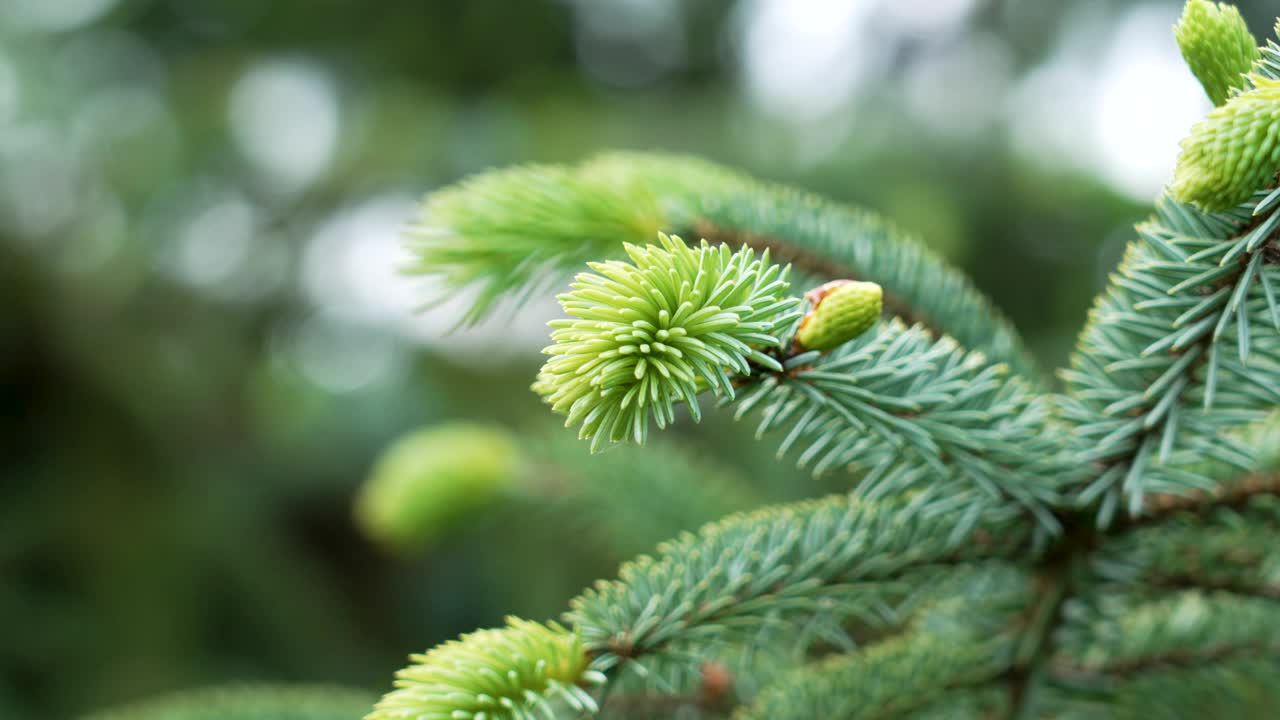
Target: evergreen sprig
{"points": [[504, 231], [1116, 635], [966, 636], [523, 671], [907, 411], [761, 567], [1232, 687], [1169, 361], [1227, 548], [469, 235], [1103, 550]]}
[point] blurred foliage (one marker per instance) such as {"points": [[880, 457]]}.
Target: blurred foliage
{"points": [[198, 363], [289, 702], [435, 477]]}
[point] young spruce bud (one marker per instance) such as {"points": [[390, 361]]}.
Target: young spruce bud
{"points": [[841, 311]]}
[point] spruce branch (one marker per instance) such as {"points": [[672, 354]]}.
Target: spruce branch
{"points": [[1236, 492], [1231, 687], [1123, 635], [498, 232], [907, 412], [522, 671], [506, 231], [965, 637], [775, 564], [1133, 517], [966, 703], [1169, 362], [1224, 548]]}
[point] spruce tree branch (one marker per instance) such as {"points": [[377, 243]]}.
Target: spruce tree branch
{"points": [[1057, 582], [1170, 660], [1240, 685], [1222, 547], [907, 412], [963, 465], [713, 697], [1200, 581], [1154, 350], [812, 264], [773, 564], [964, 638], [525, 669], [508, 232], [973, 701], [1237, 493], [835, 241], [1113, 633]]}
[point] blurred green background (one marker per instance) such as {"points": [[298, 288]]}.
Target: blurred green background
{"points": [[204, 342]]}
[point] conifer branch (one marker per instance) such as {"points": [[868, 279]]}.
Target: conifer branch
{"points": [[521, 671], [964, 637], [904, 410], [1170, 358], [1124, 635], [1133, 515], [1232, 549], [907, 411], [773, 564], [508, 232], [965, 703], [1233, 493], [1152, 388], [1239, 686]]}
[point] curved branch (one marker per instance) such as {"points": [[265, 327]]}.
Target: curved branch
{"points": [[1151, 357], [1173, 659], [507, 230], [834, 555], [965, 637], [911, 412]]}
